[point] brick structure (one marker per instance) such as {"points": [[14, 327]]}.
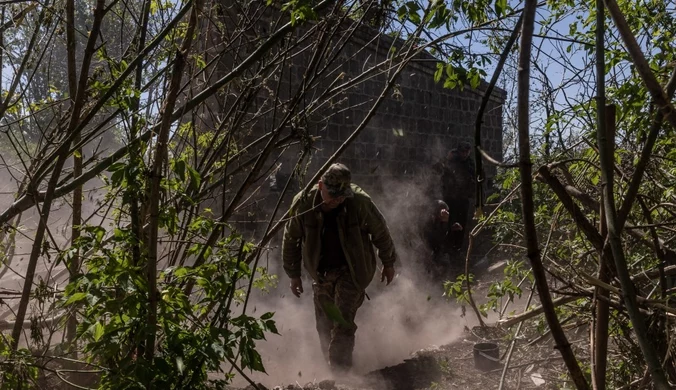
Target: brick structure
{"points": [[415, 126], [417, 123]]}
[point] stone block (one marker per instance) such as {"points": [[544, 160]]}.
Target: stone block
{"points": [[412, 154], [370, 151], [345, 132]]}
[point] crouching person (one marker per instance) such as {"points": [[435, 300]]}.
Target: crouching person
{"points": [[332, 231], [436, 229]]}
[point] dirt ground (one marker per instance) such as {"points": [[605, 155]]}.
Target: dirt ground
{"points": [[534, 363], [426, 361], [453, 366]]}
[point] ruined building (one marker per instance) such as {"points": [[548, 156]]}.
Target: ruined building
{"points": [[417, 123]]}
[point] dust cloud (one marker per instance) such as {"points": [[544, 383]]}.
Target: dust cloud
{"points": [[398, 320]]}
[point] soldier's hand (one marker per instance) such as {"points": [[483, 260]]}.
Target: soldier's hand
{"points": [[388, 273], [296, 286]]}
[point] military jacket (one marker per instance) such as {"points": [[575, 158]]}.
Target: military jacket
{"points": [[360, 226]]}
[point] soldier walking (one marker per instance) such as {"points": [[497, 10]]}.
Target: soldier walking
{"points": [[332, 231]]}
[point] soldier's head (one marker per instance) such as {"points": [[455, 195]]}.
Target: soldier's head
{"points": [[334, 186], [463, 150], [439, 211]]}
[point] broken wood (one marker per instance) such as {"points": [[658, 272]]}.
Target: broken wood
{"points": [[535, 311]]}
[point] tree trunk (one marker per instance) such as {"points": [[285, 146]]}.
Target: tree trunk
{"points": [[74, 265], [605, 120], [525, 165], [156, 177], [78, 104], [614, 230]]}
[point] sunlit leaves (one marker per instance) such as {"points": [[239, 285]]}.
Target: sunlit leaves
{"points": [[455, 288], [159, 5], [112, 296], [440, 16], [410, 10], [17, 368], [300, 10], [97, 331], [501, 7]]}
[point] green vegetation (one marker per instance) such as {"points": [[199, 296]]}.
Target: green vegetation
{"points": [[142, 134]]}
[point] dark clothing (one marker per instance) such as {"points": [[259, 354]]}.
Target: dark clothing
{"points": [[458, 211], [336, 249], [435, 235], [334, 289], [458, 187], [361, 226], [457, 178], [332, 255]]}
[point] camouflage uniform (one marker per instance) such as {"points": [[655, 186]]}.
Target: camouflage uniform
{"points": [[335, 289], [360, 226]]}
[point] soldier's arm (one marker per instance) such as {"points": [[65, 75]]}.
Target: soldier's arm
{"points": [[291, 246], [380, 235]]}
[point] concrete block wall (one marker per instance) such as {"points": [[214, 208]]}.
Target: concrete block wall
{"points": [[418, 122]]}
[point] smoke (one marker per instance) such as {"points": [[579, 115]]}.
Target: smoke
{"points": [[396, 321], [16, 238], [408, 315]]}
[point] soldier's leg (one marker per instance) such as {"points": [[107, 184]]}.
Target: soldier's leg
{"points": [[323, 294], [348, 299]]}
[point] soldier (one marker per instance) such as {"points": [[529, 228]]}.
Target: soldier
{"points": [[332, 230], [457, 186], [436, 229]]}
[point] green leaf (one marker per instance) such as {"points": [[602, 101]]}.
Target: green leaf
{"points": [[116, 167], [117, 177], [255, 361], [413, 14], [181, 272], [179, 364], [271, 327], [98, 331], [267, 315], [77, 297], [595, 179], [99, 234], [179, 169], [500, 7], [195, 179], [333, 313], [401, 12], [439, 72]]}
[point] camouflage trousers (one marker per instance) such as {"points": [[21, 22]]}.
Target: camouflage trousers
{"points": [[336, 300]]}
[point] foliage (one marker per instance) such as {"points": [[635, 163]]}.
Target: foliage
{"points": [[17, 368], [455, 289], [167, 311], [174, 134], [112, 294], [563, 138]]}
